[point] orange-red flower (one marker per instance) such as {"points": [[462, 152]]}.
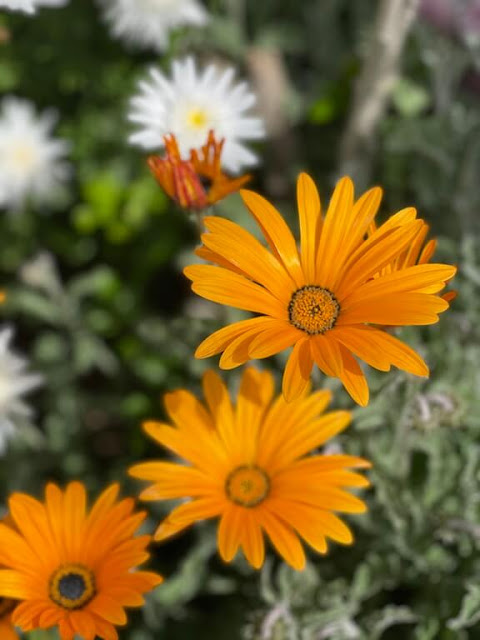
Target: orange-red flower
{"points": [[326, 300], [73, 567], [249, 464], [198, 182]]}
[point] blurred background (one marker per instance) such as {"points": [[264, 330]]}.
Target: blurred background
{"points": [[385, 90]]}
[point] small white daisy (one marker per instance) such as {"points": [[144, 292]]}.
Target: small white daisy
{"points": [[147, 23], [15, 382], [32, 163], [29, 6], [192, 103]]}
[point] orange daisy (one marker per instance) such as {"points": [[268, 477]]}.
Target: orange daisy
{"points": [[325, 299], [198, 182], [249, 465], [72, 567]]}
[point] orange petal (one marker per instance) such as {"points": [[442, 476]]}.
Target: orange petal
{"points": [[273, 340], [219, 340], [186, 514], [240, 248], [252, 540], [379, 349], [309, 211], [298, 370], [276, 232], [353, 378], [226, 287], [335, 226], [283, 538], [230, 532]]}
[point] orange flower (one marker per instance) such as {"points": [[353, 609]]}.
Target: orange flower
{"points": [[2, 296], [70, 567], [198, 182], [249, 464], [324, 299]]}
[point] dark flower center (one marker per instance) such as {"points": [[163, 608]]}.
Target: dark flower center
{"points": [[72, 586]]}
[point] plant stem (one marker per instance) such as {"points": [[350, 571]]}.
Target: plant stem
{"points": [[374, 85]]}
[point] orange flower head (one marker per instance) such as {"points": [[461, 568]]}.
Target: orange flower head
{"points": [[325, 299], [2, 296], [249, 464], [198, 182], [73, 567]]}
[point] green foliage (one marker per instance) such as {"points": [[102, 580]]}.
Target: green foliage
{"points": [[96, 294]]}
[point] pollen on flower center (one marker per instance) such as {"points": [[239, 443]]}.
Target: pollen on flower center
{"points": [[313, 309], [247, 486], [72, 586], [197, 118]]}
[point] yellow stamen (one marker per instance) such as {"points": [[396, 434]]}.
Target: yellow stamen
{"points": [[197, 119], [247, 486], [313, 309], [72, 586]]}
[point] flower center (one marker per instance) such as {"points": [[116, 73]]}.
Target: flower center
{"points": [[23, 157], [72, 586], [197, 118], [247, 486], [313, 309]]}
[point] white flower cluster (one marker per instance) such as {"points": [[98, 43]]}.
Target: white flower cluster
{"points": [[30, 6], [148, 23], [15, 382], [192, 103], [32, 163]]}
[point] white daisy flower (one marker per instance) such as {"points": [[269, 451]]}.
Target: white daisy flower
{"points": [[148, 23], [29, 6], [31, 161], [192, 103], [15, 382]]}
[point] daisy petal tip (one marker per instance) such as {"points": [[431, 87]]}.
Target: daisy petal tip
{"points": [[361, 398], [299, 564], [133, 470], [364, 464], [304, 178], [345, 182], [200, 353], [163, 532], [149, 426], [347, 542], [257, 564]]}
